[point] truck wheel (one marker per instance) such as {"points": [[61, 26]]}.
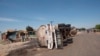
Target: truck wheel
{"points": [[65, 43], [70, 40]]}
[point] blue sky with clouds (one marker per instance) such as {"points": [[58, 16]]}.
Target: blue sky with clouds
{"points": [[17, 14]]}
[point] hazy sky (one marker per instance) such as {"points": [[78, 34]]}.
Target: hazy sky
{"points": [[17, 14]]}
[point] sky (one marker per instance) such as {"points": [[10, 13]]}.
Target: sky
{"points": [[17, 14]]}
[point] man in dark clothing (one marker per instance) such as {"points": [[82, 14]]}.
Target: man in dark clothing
{"points": [[88, 31], [22, 36], [94, 31]]}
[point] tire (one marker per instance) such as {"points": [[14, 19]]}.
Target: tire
{"points": [[70, 40], [65, 43]]}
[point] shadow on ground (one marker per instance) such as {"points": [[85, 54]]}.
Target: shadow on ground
{"points": [[27, 49]]}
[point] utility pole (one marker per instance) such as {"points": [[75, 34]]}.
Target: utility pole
{"points": [[51, 22]]}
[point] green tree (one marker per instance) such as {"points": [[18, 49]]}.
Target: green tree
{"points": [[83, 29], [97, 26], [29, 28]]}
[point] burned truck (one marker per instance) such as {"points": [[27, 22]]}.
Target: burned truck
{"points": [[55, 35], [64, 30]]}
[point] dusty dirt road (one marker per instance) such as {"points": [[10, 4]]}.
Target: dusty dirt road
{"points": [[85, 44]]}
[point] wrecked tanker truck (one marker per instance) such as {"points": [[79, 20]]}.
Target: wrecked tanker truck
{"points": [[55, 36]]}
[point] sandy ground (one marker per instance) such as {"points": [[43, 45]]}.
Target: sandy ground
{"points": [[20, 48], [17, 49], [98, 33], [85, 44], [79, 32], [5, 49]]}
